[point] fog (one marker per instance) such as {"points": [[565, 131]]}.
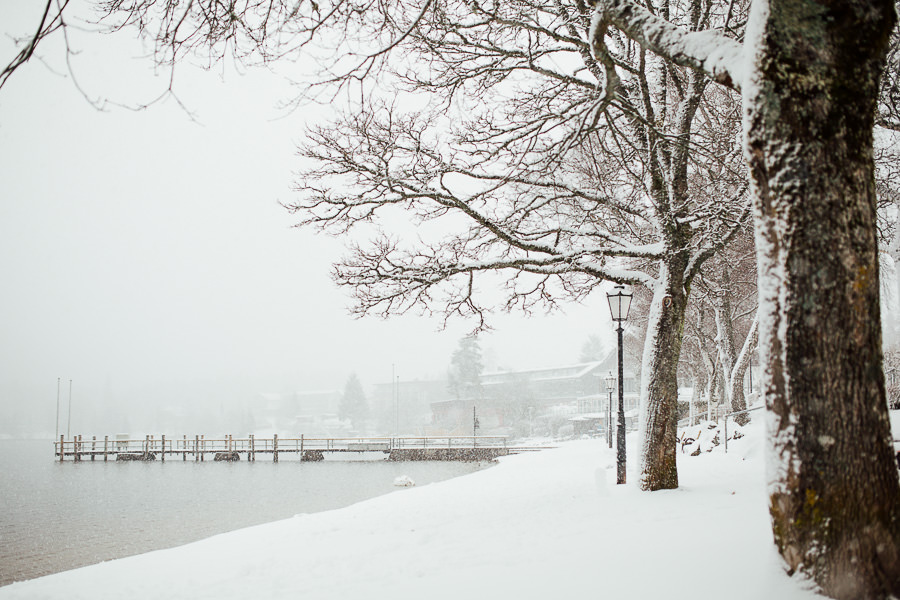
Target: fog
{"points": [[144, 255]]}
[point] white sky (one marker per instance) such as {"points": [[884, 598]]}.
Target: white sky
{"points": [[143, 254]]}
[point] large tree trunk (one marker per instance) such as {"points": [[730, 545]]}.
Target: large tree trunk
{"points": [[659, 384], [809, 106]]}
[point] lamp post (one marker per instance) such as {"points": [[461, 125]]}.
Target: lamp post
{"points": [[610, 381], [619, 303]]}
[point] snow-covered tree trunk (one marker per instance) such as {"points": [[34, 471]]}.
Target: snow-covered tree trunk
{"points": [[659, 384], [710, 377], [734, 365], [727, 353], [697, 384], [809, 107], [736, 376]]}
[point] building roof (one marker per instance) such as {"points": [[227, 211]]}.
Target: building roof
{"points": [[575, 371], [561, 373]]}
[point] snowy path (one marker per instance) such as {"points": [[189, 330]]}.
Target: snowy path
{"points": [[542, 525]]}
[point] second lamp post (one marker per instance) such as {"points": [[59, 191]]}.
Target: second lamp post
{"points": [[619, 303]]}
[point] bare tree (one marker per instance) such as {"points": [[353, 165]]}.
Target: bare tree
{"points": [[727, 289], [547, 184], [700, 356], [809, 77]]}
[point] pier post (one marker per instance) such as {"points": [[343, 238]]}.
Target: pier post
{"points": [[146, 446], [62, 448], [78, 448], [252, 455], [301, 444], [162, 454], [275, 447], [93, 448], [184, 447], [196, 448], [202, 447], [105, 448]]}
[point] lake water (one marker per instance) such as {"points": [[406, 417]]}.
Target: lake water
{"points": [[59, 516]]}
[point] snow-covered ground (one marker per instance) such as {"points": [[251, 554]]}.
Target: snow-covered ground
{"points": [[550, 524]]}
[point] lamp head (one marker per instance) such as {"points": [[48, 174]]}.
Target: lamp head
{"points": [[619, 303]]}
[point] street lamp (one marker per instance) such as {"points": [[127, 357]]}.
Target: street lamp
{"points": [[610, 382], [619, 303]]}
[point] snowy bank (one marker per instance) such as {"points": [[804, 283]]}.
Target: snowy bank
{"points": [[550, 524]]}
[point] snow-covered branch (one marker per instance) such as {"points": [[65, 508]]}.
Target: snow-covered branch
{"points": [[709, 51]]}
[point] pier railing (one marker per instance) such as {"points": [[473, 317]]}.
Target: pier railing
{"points": [[228, 447]]}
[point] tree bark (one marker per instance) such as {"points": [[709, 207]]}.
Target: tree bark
{"points": [[659, 418], [809, 113]]}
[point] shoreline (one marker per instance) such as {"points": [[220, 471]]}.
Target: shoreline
{"points": [[537, 525]]}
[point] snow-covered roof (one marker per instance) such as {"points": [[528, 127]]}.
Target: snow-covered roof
{"points": [[588, 417], [543, 374]]}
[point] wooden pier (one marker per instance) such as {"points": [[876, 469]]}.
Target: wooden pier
{"points": [[228, 448]]}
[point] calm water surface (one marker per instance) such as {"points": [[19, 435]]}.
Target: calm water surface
{"points": [[59, 516]]}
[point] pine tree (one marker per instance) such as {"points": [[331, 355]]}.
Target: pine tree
{"points": [[464, 377], [353, 405], [593, 349]]}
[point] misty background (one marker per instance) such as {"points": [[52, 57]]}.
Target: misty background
{"points": [[144, 255]]}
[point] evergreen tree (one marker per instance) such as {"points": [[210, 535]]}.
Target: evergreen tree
{"points": [[353, 406], [464, 377], [593, 349]]}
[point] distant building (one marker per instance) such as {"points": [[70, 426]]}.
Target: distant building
{"points": [[535, 401], [514, 403], [548, 386]]}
